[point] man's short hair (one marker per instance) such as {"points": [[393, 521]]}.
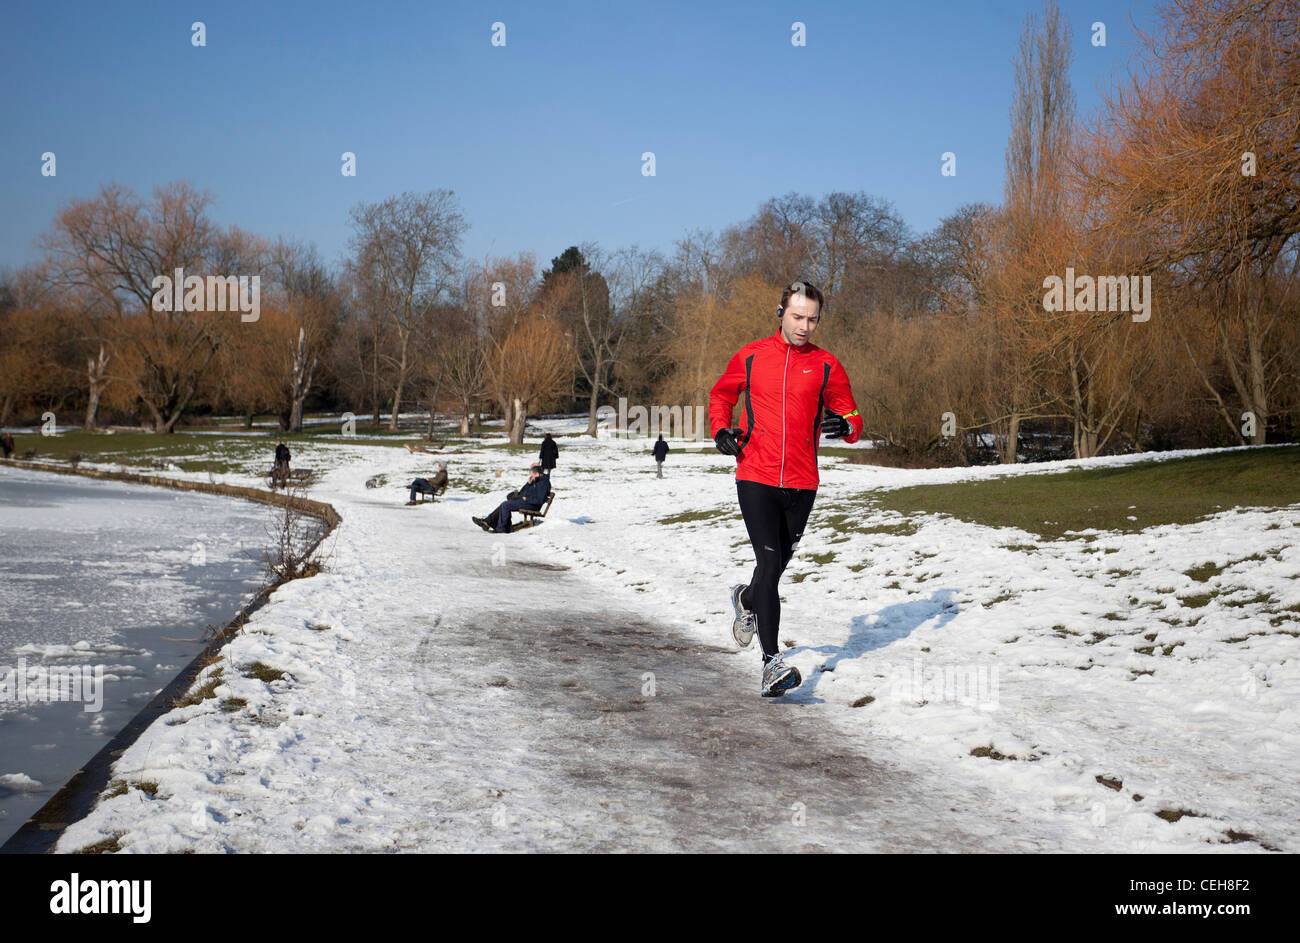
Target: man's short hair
{"points": [[803, 287]]}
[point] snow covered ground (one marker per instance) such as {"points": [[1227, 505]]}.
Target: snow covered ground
{"points": [[448, 689]]}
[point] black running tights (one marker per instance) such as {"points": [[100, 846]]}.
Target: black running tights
{"points": [[775, 518]]}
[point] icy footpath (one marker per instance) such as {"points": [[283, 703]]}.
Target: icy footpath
{"points": [[448, 690], [1132, 692], [571, 687]]}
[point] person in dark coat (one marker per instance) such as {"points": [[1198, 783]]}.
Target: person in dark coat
{"points": [[435, 485], [7, 444], [280, 472], [661, 452], [530, 497], [550, 453]]}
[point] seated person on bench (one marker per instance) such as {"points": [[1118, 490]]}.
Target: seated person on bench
{"points": [[530, 497], [435, 485]]}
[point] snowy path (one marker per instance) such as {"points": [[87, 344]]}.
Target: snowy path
{"points": [[701, 765], [422, 719], [450, 690]]}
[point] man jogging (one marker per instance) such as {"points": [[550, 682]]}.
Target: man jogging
{"points": [[787, 381]]}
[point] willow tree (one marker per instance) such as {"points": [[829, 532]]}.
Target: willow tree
{"points": [[1197, 160]]}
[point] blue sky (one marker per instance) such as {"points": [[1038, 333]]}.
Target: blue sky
{"points": [[541, 139]]}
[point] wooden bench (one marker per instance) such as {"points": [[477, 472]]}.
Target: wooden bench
{"points": [[532, 517], [430, 493], [437, 485], [296, 476]]}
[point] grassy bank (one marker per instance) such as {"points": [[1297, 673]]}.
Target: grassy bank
{"points": [[216, 450], [1124, 499]]}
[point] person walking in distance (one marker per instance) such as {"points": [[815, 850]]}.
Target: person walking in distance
{"points": [[661, 452], [550, 455], [280, 471], [788, 381]]}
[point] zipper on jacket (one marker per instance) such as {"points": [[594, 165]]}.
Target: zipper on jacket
{"points": [[783, 373]]}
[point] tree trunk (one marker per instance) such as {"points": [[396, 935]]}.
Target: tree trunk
{"points": [[507, 415], [1258, 387], [517, 423], [95, 369], [1010, 447], [304, 367], [374, 381], [401, 385], [595, 394], [433, 411], [1246, 391]]}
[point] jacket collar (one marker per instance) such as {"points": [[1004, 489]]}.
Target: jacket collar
{"points": [[779, 341]]}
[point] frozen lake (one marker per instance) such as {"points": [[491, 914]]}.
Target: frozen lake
{"points": [[106, 589]]}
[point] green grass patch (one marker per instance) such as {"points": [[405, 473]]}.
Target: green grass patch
{"points": [[851, 521], [686, 517], [263, 672], [204, 691], [108, 846], [1204, 572], [241, 451], [1256, 600], [1177, 491]]}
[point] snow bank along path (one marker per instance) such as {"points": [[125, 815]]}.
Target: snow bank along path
{"points": [[449, 690]]}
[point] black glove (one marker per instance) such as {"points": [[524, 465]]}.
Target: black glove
{"points": [[726, 442], [834, 425], [512, 496]]}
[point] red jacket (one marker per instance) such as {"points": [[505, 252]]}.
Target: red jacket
{"points": [[785, 389]]}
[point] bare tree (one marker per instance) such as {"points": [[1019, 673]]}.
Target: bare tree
{"points": [[406, 248], [115, 245], [1027, 238]]}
